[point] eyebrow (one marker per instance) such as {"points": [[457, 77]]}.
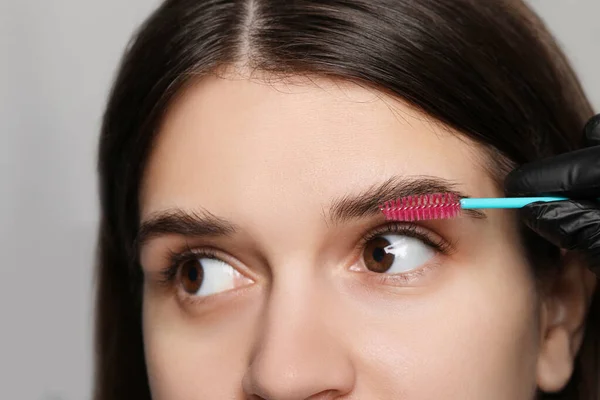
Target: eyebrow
{"points": [[179, 222], [351, 207], [367, 203]]}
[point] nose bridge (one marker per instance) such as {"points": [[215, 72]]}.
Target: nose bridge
{"points": [[297, 356], [295, 311]]}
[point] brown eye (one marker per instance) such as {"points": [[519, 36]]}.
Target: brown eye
{"points": [[192, 276], [375, 257], [396, 253], [207, 275]]}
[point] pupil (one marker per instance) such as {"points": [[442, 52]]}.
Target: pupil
{"points": [[193, 274], [379, 254]]}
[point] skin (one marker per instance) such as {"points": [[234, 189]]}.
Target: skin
{"points": [[307, 319]]}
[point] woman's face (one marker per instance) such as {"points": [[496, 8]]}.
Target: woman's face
{"points": [[262, 249]]}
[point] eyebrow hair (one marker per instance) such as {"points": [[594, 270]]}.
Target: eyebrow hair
{"points": [[362, 205], [366, 204], [185, 223]]}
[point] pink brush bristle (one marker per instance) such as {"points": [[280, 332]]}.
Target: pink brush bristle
{"points": [[423, 207]]}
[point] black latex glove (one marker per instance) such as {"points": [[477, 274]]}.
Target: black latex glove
{"points": [[573, 224]]}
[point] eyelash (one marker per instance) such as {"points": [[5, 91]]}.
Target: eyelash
{"points": [[410, 230], [176, 259]]}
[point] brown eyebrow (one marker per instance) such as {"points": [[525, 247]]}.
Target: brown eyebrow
{"points": [[185, 223], [366, 204], [362, 205]]}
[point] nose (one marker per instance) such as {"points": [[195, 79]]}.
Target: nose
{"points": [[299, 354]]}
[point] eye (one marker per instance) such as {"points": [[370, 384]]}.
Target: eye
{"points": [[396, 254], [204, 276]]}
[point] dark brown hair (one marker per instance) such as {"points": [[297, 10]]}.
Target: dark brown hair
{"points": [[487, 68]]}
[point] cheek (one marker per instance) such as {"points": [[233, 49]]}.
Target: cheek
{"points": [[470, 338], [185, 355]]}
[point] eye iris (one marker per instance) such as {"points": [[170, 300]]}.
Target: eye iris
{"points": [[192, 275], [375, 257]]}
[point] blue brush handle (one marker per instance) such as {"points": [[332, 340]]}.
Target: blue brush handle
{"points": [[504, 202]]}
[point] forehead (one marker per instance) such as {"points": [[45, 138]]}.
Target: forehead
{"points": [[232, 143]]}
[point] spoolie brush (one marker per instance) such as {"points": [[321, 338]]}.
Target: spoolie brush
{"points": [[449, 205]]}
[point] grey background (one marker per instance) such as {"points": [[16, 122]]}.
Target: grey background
{"points": [[57, 59]]}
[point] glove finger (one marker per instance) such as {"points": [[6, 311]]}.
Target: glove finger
{"points": [[592, 131], [575, 174], [569, 225]]}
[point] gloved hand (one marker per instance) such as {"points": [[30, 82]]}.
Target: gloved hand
{"points": [[573, 224]]}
